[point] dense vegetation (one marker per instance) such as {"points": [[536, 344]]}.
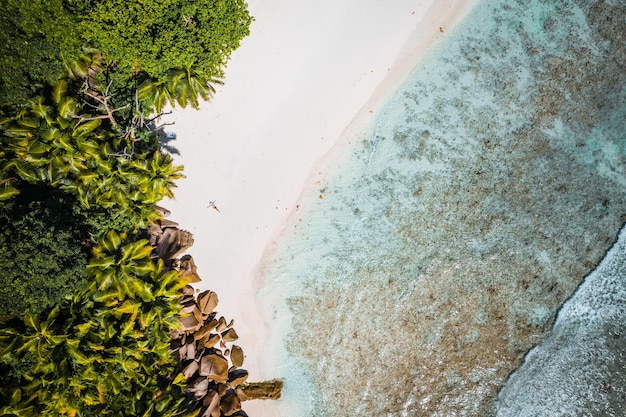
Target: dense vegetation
{"points": [[86, 313], [104, 351], [139, 41], [34, 37], [44, 247], [89, 174], [83, 176]]}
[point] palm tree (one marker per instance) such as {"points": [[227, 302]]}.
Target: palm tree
{"points": [[184, 86], [189, 84], [155, 94], [44, 144], [106, 350]]}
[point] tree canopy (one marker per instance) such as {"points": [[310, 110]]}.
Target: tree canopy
{"points": [[69, 172], [156, 36], [138, 41], [35, 36], [103, 351], [43, 250]]}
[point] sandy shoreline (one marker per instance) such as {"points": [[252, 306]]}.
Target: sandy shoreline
{"points": [[310, 76]]}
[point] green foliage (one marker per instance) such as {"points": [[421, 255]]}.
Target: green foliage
{"points": [[100, 186], [54, 141], [35, 36], [151, 40], [156, 36], [77, 181], [42, 253], [105, 351], [182, 86]]}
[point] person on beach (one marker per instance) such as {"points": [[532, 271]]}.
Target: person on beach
{"points": [[212, 204]]}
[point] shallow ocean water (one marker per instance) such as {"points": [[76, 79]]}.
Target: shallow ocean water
{"points": [[580, 368], [447, 239]]}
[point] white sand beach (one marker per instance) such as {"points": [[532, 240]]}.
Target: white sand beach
{"points": [[309, 73]]}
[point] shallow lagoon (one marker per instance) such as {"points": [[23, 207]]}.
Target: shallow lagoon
{"points": [[448, 238]]}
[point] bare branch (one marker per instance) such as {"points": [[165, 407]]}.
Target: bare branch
{"points": [[106, 92], [82, 119], [91, 105], [159, 115], [103, 101], [125, 153]]}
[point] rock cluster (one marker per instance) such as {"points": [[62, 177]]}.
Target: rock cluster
{"points": [[208, 360], [168, 241]]}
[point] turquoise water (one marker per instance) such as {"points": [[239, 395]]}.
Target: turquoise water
{"points": [[446, 241], [580, 368]]}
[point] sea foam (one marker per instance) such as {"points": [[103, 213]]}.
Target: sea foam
{"points": [[580, 368]]}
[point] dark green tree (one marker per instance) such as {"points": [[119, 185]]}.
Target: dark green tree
{"points": [[35, 37], [44, 247]]}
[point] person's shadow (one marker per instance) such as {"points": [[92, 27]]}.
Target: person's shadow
{"points": [[165, 139]]}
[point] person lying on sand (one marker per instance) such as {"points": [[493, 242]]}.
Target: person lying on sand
{"points": [[212, 204]]}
